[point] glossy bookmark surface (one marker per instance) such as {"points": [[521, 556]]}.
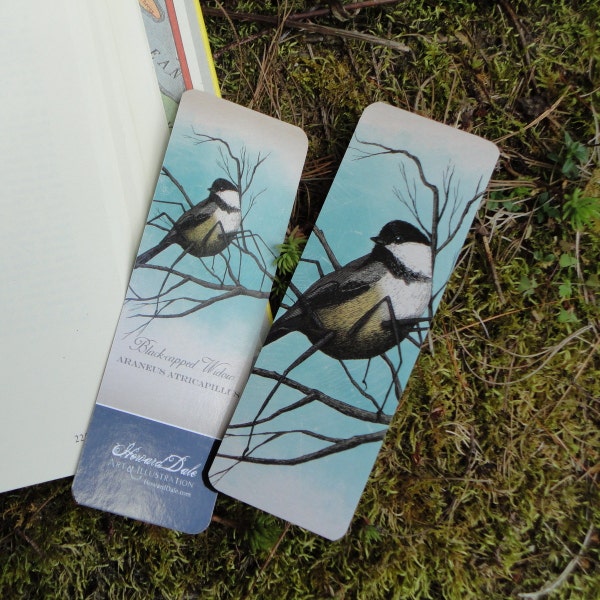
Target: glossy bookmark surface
{"points": [[194, 314], [306, 432]]}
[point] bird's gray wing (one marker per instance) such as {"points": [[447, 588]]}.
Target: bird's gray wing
{"points": [[344, 284], [195, 215]]}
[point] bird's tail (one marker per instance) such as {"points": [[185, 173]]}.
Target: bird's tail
{"points": [[279, 328], [143, 258]]}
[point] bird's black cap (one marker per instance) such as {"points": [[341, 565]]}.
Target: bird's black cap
{"points": [[222, 185], [400, 232]]}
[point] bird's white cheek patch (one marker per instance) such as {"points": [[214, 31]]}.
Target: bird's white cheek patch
{"points": [[416, 257], [194, 314]]}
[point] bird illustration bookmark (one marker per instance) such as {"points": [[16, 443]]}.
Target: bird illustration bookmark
{"points": [[195, 313], [305, 435]]}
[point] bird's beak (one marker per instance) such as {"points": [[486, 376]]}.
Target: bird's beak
{"points": [[377, 240]]}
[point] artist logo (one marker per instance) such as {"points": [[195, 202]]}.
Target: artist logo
{"points": [[173, 463]]}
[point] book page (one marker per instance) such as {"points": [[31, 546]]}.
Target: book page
{"points": [[79, 156]]}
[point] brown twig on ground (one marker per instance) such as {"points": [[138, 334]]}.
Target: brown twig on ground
{"points": [[269, 558], [226, 522], [512, 15], [304, 26], [311, 14], [554, 585], [537, 120], [484, 233]]}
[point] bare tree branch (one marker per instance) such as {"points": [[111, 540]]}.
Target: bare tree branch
{"points": [[447, 207], [177, 185], [203, 138], [314, 395], [242, 169], [340, 445]]}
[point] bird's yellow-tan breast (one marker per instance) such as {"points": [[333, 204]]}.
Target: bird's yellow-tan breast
{"points": [[213, 231], [352, 316], [365, 317]]}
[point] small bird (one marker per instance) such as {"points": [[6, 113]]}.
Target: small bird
{"points": [[205, 229], [369, 305]]}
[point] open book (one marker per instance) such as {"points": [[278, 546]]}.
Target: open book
{"points": [[83, 136]]}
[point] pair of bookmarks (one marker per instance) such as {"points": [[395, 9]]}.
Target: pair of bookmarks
{"points": [[316, 404]]}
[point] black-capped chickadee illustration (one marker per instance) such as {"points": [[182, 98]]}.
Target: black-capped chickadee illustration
{"points": [[369, 305], [205, 229]]}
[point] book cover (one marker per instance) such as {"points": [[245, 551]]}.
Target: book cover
{"points": [[179, 48]]}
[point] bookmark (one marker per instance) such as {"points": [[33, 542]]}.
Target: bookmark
{"points": [[194, 315], [306, 432]]}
